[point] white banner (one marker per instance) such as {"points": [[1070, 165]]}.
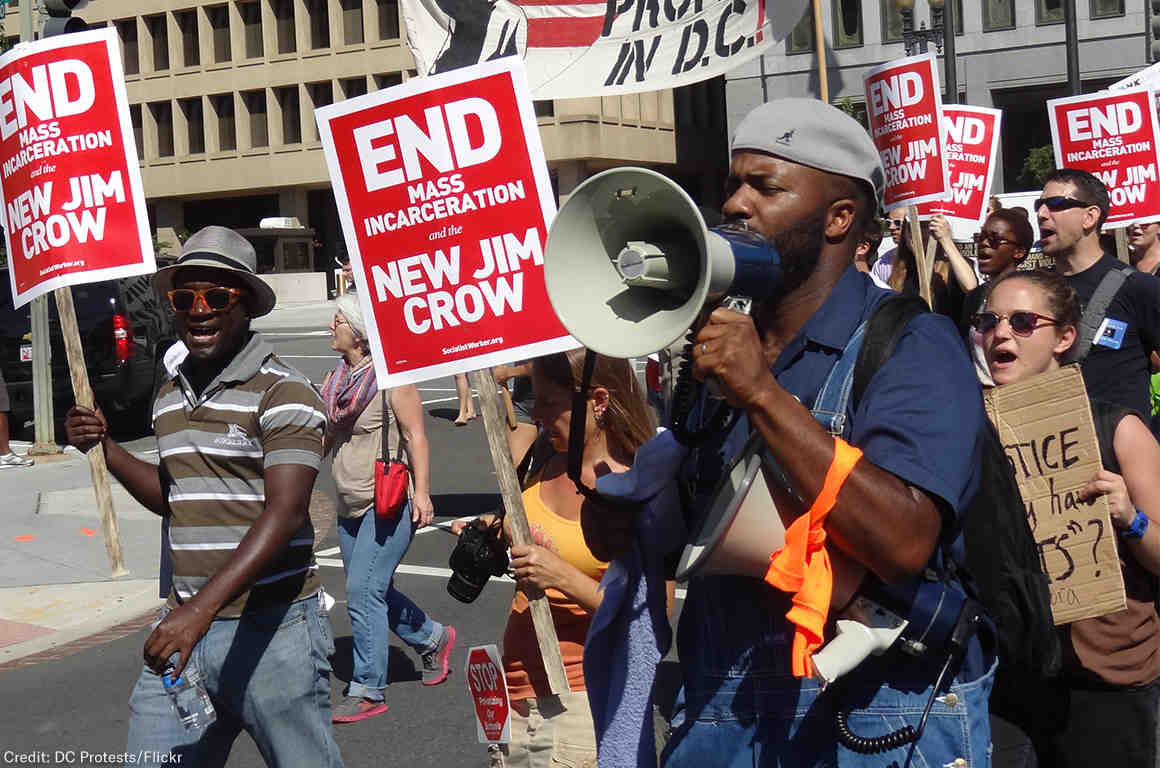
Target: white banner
{"points": [[577, 48]]}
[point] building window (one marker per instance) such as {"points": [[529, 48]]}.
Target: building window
{"points": [[291, 114], [388, 80], [352, 22], [159, 34], [127, 30], [190, 45], [847, 23], [544, 108], [891, 22], [958, 7], [1106, 9], [251, 15], [138, 129], [191, 109], [223, 107], [998, 14], [319, 23], [162, 112], [255, 102], [388, 19], [321, 94], [801, 39], [1048, 12], [219, 22], [354, 86], [284, 20]]}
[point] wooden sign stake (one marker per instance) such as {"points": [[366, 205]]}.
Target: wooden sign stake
{"points": [[920, 264], [84, 397], [1122, 245], [495, 424], [820, 46]]}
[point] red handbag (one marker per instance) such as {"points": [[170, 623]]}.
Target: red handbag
{"points": [[392, 477]]}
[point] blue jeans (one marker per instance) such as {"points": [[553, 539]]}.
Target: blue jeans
{"points": [[741, 705], [371, 551], [268, 673]]}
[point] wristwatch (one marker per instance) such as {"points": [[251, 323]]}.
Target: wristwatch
{"points": [[1137, 528]]}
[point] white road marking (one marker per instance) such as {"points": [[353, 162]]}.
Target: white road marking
{"points": [[309, 357], [268, 334], [441, 400]]}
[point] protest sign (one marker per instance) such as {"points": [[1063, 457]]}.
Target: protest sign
{"points": [[73, 204], [905, 108], [444, 197], [489, 694], [576, 48], [1115, 136], [970, 140], [1046, 427]]}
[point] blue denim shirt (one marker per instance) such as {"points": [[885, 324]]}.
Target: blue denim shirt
{"points": [[920, 419]]}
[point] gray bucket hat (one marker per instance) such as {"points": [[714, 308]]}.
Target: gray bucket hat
{"points": [[224, 249]]}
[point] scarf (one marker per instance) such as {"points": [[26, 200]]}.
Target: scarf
{"points": [[347, 392]]}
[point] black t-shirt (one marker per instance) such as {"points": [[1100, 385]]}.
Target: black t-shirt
{"points": [[1117, 368]]}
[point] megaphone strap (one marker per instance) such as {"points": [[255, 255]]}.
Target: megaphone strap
{"points": [[802, 566]]}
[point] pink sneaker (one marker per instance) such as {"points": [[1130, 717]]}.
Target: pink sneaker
{"points": [[351, 709], [437, 663]]}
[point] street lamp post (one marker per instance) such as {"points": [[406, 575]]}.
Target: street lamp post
{"points": [[941, 33]]}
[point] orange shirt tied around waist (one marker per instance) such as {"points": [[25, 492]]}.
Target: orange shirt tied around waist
{"points": [[802, 566]]}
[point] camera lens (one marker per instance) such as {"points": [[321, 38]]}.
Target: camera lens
{"points": [[463, 589]]}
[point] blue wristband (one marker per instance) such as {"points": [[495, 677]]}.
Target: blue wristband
{"points": [[1137, 528]]}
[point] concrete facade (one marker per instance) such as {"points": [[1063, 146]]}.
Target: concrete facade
{"points": [[1015, 62], [222, 97]]}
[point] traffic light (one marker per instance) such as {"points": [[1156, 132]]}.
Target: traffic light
{"points": [[1152, 14], [60, 20]]}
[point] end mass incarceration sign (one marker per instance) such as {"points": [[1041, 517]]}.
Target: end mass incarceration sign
{"points": [[73, 206], [445, 201], [1115, 136]]}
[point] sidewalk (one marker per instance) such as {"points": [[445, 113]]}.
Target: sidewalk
{"points": [[315, 316], [55, 585]]}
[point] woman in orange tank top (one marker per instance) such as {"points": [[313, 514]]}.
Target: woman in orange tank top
{"points": [[551, 730]]}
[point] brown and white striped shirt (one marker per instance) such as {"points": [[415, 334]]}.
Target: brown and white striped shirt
{"points": [[214, 449]]}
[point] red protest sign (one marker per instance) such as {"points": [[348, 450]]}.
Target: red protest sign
{"points": [[489, 694], [74, 208], [445, 201], [905, 103], [970, 139], [1115, 136]]}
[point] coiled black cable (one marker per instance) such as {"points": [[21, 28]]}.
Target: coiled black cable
{"points": [[873, 745]]}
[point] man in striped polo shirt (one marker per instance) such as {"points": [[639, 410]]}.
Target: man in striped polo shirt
{"points": [[239, 434]]}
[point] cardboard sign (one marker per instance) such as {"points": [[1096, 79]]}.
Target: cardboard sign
{"points": [[970, 139], [489, 694], [905, 111], [445, 201], [1115, 136], [1046, 427], [577, 48], [73, 204]]}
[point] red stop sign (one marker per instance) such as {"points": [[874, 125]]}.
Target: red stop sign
{"points": [[488, 692]]}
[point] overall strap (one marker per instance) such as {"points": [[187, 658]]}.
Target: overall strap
{"points": [[833, 399]]}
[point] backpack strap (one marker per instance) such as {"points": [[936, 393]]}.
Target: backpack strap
{"points": [[884, 328], [1095, 311]]}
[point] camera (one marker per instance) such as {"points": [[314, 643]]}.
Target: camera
{"points": [[480, 554]]}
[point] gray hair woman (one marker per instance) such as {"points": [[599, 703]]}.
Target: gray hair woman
{"points": [[372, 547]]}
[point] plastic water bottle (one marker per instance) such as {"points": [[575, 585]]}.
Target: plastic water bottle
{"points": [[189, 698]]}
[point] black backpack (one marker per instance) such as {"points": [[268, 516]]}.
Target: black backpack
{"points": [[1001, 569]]}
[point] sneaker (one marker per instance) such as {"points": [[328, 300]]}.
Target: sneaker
{"points": [[12, 460], [351, 709], [437, 663]]}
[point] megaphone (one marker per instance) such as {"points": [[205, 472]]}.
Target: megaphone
{"points": [[629, 263], [742, 526]]}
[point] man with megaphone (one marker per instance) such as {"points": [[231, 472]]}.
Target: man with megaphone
{"points": [[863, 484]]}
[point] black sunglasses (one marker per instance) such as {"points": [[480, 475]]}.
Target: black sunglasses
{"points": [[1023, 323], [1060, 203], [215, 299], [992, 240]]}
